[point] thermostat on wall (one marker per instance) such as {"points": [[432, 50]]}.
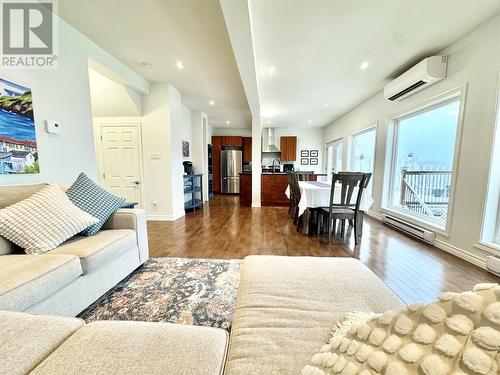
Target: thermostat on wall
{"points": [[53, 127]]}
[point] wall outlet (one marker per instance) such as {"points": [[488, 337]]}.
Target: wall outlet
{"points": [[155, 156], [53, 127]]}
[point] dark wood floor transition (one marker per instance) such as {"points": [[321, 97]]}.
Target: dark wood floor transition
{"points": [[223, 229]]}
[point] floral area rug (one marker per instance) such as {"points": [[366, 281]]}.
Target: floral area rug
{"points": [[175, 290]]}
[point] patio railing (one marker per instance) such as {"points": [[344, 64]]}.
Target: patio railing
{"points": [[426, 192]]}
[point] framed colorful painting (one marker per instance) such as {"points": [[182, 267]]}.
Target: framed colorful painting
{"points": [[18, 147]]}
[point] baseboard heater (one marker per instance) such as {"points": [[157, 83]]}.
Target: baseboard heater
{"points": [[412, 230], [493, 265]]}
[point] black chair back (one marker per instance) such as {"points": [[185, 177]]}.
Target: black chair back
{"points": [[349, 182], [306, 175], [293, 181], [368, 176]]}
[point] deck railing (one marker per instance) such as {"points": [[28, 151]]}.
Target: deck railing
{"points": [[426, 192]]}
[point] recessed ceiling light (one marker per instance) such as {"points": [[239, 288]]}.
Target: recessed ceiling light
{"points": [[211, 102], [271, 70], [228, 122], [325, 105], [364, 65], [179, 64], [310, 122]]}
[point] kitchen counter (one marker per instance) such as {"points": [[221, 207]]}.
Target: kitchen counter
{"points": [[271, 173], [272, 189]]}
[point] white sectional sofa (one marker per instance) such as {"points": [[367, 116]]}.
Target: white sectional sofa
{"points": [[285, 309], [66, 280]]}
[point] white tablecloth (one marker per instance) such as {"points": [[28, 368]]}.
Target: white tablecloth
{"points": [[317, 194]]}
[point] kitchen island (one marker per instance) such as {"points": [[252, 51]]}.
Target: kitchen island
{"points": [[272, 189]]}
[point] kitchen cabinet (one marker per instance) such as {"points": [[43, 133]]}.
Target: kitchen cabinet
{"points": [[235, 141], [272, 189], [247, 149], [216, 148], [288, 148]]}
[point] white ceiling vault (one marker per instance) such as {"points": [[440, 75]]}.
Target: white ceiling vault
{"points": [[307, 54], [160, 33]]}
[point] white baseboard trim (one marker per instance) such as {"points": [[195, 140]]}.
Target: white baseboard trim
{"points": [[441, 245], [375, 215], [164, 217], [453, 250]]}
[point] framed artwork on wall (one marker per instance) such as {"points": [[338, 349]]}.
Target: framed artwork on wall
{"points": [[313, 154], [185, 149], [18, 147], [304, 153], [314, 161], [304, 161]]}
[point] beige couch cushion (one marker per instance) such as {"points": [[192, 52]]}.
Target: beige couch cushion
{"points": [[113, 347], [287, 305], [27, 279], [26, 340], [13, 194], [97, 250]]}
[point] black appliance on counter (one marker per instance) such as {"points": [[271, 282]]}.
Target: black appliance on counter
{"points": [[288, 168], [188, 167]]}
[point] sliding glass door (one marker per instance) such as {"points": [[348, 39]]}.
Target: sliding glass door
{"points": [[363, 152], [334, 157]]}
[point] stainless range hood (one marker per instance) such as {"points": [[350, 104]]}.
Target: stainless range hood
{"points": [[269, 141]]}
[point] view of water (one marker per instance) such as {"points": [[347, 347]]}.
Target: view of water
{"points": [[16, 126]]}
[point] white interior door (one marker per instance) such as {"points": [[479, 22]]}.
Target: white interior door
{"points": [[121, 162], [334, 157]]}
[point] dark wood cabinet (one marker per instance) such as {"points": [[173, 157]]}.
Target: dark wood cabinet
{"points": [[246, 189], [230, 140], [247, 149], [216, 148], [288, 147]]}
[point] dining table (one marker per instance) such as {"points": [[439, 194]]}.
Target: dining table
{"points": [[314, 194]]}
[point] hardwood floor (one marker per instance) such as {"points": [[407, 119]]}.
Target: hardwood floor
{"points": [[223, 229]]}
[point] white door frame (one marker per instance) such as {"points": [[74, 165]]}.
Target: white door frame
{"points": [[101, 122]]}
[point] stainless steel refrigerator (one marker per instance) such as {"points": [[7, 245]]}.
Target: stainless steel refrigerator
{"points": [[230, 165]]}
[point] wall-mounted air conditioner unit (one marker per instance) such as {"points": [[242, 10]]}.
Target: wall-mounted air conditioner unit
{"points": [[493, 265], [410, 229], [425, 73]]}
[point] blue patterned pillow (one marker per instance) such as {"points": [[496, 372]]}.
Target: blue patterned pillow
{"points": [[93, 199]]}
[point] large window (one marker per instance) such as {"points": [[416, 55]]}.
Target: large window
{"points": [[363, 151], [491, 224], [423, 160]]}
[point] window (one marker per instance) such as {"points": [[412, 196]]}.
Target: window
{"points": [[491, 223], [422, 161], [363, 152], [334, 157]]}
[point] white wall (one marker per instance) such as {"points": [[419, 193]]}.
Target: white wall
{"points": [[307, 139], [473, 60], [201, 135], [162, 133], [63, 95], [112, 99], [242, 132], [187, 133]]}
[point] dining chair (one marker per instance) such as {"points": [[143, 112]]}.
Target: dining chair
{"points": [[366, 181], [344, 209], [306, 175], [293, 182]]}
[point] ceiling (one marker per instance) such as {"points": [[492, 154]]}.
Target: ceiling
{"points": [[308, 53], [161, 33]]}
